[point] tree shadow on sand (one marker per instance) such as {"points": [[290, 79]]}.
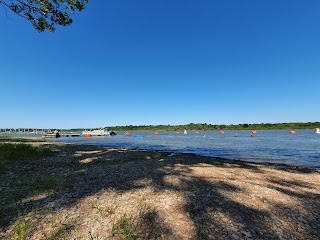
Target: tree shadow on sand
{"points": [[210, 205]]}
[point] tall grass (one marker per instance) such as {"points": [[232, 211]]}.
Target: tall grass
{"points": [[21, 229], [11, 151]]}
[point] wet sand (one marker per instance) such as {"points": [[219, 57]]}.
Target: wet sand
{"points": [[89, 192]]}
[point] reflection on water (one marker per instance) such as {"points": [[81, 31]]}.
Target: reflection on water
{"points": [[276, 146]]}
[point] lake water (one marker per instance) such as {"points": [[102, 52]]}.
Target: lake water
{"points": [[275, 146]]}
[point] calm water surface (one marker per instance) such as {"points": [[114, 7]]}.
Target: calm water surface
{"points": [[276, 146]]}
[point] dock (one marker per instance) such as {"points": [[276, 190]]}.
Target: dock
{"points": [[61, 135]]}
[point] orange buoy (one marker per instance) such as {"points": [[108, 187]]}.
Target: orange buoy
{"points": [[177, 132], [156, 133], [196, 132], [128, 134], [222, 132], [88, 135], [254, 132], [292, 132]]}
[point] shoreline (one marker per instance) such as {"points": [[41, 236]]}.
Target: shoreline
{"points": [[293, 166], [307, 161], [84, 191], [303, 168], [269, 164]]}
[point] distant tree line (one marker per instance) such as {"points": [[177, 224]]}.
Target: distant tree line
{"points": [[205, 126]]}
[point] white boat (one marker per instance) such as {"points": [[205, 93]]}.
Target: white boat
{"points": [[318, 130], [185, 131], [100, 132]]}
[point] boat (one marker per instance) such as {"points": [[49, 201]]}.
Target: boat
{"points": [[317, 130], [99, 132], [185, 131], [54, 134]]}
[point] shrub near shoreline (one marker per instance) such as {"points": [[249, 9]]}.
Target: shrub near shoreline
{"points": [[15, 151]]}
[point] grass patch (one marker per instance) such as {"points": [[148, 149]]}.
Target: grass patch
{"points": [[21, 229], [52, 182], [60, 232], [106, 210], [11, 151], [124, 226]]}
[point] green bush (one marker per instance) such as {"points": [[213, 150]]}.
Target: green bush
{"points": [[11, 151]]}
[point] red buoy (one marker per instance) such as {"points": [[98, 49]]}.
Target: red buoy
{"points": [[177, 132], [196, 132], [88, 135], [293, 132], [128, 134], [156, 133], [222, 132], [254, 132]]}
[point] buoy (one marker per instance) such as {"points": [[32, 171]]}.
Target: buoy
{"points": [[177, 132], [222, 132], [254, 132], [88, 135], [156, 133], [128, 134], [196, 132], [292, 132]]}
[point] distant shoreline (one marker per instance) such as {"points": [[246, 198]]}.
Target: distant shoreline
{"points": [[205, 126]]}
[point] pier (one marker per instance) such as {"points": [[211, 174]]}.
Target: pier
{"points": [[46, 133], [24, 130], [61, 135]]}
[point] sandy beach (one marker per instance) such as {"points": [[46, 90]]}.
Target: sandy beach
{"points": [[90, 192]]}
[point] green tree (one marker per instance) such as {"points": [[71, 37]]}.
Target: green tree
{"points": [[45, 14]]}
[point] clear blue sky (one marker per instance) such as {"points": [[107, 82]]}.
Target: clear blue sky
{"points": [[164, 62]]}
